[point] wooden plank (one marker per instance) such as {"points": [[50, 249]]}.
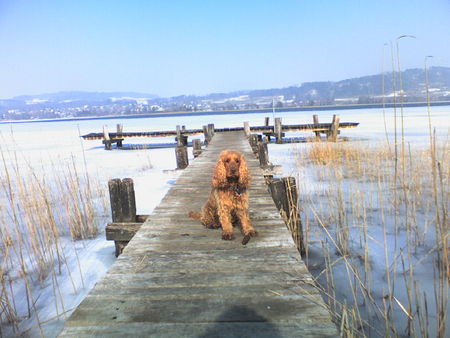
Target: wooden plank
{"points": [[178, 279]]}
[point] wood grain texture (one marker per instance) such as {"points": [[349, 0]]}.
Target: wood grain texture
{"points": [[178, 279]]}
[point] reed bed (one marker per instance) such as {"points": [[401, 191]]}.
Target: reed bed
{"points": [[376, 234], [39, 207]]}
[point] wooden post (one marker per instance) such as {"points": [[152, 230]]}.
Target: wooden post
{"points": [[128, 200], [106, 138], [334, 129], [263, 153], [182, 156], [316, 121], [123, 211], [278, 130], [253, 140], [122, 199], [211, 129], [205, 133], [179, 138], [285, 196], [295, 224], [247, 129], [119, 135], [114, 198], [196, 147], [266, 124]]}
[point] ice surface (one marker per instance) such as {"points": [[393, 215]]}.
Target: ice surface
{"points": [[41, 144]]}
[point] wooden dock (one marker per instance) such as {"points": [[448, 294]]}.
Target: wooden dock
{"points": [[178, 279]]}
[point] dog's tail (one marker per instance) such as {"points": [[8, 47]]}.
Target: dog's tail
{"points": [[195, 215]]}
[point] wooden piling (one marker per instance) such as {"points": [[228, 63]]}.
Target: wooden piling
{"points": [[106, 139], [206, 135], [263, 153], [253, 140], [114, 198], [119, 135], [334, 129], [182, 157], [278, 130], [266, 121], [285, 195], [123, 206], [196, 147], [316, 121], [247, 129], [211, 129]]}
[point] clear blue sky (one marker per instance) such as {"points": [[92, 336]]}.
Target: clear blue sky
{"points": [[196, 47]]}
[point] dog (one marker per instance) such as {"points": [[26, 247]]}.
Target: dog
{"points": [[228, 201]]}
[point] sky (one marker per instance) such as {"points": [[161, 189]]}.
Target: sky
{"points": [[176, 47]]}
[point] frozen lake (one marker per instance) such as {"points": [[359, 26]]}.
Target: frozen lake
{"points": [[51, 146]]}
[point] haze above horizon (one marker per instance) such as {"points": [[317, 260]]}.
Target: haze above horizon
{"points": [[190, 47]]}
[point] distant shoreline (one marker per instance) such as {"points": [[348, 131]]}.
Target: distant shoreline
{"points": [[233, 112]]}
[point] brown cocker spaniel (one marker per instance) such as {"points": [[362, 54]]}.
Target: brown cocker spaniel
{"points": [[228, 201]]}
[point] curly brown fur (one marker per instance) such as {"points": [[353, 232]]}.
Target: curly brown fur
{"points": [[228, 200]]}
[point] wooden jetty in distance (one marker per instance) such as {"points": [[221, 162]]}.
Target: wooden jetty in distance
{"points": [[277, 130], [177, 279]]}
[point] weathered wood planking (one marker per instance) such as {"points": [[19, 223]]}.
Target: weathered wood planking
{"points": [[259, 129], [178, 279]]}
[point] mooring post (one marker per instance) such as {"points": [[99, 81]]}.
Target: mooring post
{"points": [[295, 223], [253, 140], [247, 129], [316, 121], [196, 147], [205, 133], [106, 138], [285, 196], [122, 199], [211, 130], [182, 157], [334, 129], [114, 198], [278, 130], [119, 134], [123, 205], [263, 154], [266, 121], [128, 200]]}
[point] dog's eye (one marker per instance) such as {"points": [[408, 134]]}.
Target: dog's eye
{"points": [[227, 160], [237, 161]]}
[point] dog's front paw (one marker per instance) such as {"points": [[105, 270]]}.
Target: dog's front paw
{"points": [[227, 236], [251, 233]]}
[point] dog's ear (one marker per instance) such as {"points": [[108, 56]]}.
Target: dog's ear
{"points": [[220, 174], [244, 177]]}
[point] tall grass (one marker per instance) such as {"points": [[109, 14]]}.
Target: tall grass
{"points": [[379, 243], [38, 206]]}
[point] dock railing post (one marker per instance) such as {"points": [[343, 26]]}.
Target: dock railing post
{"points": [[196, 147], [278, 130], [316, 121], [334, 129]]}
